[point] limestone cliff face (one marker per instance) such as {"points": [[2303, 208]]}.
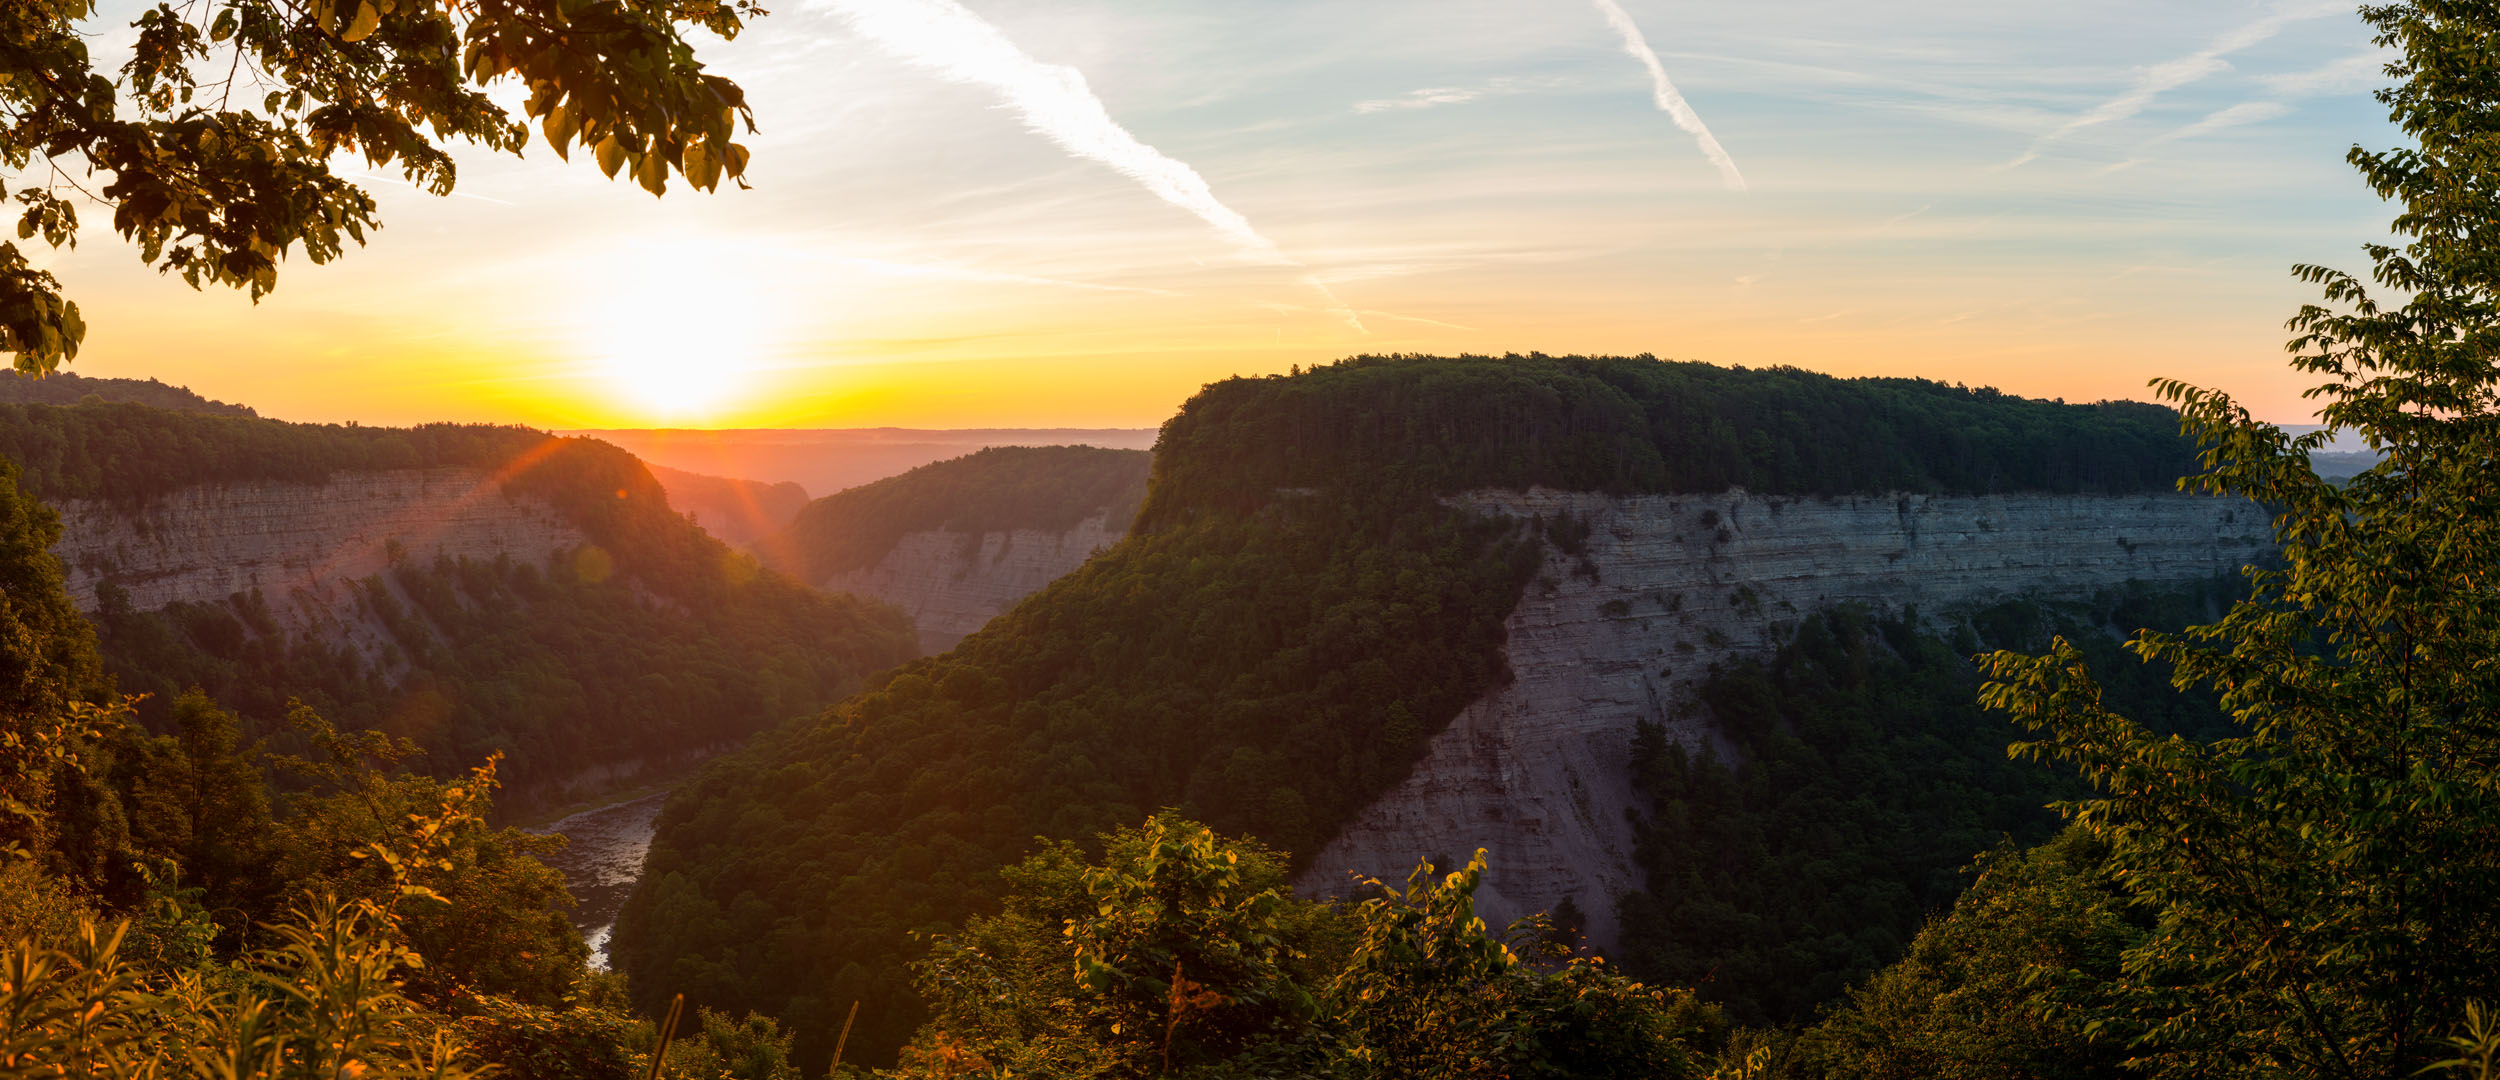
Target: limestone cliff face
{"points": [[1538, 772], [299, 544], [952, 583]]}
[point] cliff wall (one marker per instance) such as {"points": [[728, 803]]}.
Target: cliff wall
{"points": [[299, 544], [1667, 586], [952, 583]]}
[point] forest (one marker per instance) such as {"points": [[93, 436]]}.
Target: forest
{"points": [[659, 646], [68, 388], [1436, 426], [1000, 489], [1862, 776], [1264, 663]]}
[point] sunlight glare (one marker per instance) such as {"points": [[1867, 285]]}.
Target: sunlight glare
{"points": [[674, 328]]}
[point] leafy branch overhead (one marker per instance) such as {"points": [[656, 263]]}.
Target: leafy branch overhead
{"points": [[214, 147]]}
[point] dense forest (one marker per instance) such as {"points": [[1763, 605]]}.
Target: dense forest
{"points": [[128, 452], [65, 388], [654, 644], [1000, 489], [1862, 776], [1266, 662], [1437, 426]]}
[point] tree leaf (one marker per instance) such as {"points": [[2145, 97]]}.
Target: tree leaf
{"points": [[367, 20]]}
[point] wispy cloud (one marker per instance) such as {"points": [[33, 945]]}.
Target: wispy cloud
{"points": [[2246, 112], [2361, 71], [945, 38], [1436, 96], [2152, 82], [1425, 98], [1663, 91]]}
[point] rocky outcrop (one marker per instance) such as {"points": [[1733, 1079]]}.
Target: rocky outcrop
{"points": [[953, 583], [1664, 587], [299, 545]]}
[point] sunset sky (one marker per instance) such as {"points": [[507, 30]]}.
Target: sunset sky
{"points": [[1019, 213]]}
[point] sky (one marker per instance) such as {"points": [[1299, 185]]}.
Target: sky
{"points": [[1017, 213]]}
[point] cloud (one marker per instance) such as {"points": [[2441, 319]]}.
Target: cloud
{"points": [[2170, 75], [1435, 96], [1663, 91], [945, 38], [2361, 71], [1422, 99], [2247, 112]]}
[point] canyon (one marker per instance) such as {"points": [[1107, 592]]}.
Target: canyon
{"points": [[300, 546], [953, 582], [1622, 630]]}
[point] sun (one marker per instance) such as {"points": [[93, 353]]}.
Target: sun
{"points": [[674, 329]]}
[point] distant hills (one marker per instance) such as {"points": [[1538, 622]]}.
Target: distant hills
{"points": [[827, 460], [956, 543], [739, 512]]}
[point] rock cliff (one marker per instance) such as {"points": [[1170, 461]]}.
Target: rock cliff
{"points": [[300, 545], [1622, 630], [952, 583]]}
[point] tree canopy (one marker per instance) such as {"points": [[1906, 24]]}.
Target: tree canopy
{"points": [[2324, 875], [213, 145]]}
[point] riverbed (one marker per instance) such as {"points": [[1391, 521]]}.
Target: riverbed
{"points": [[601, 859]]}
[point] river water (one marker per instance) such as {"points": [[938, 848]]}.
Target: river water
{"points": [[601, 859]]}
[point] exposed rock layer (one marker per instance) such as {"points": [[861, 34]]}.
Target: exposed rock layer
{"points": [[1538, 772], [299, 545], [953, 583]]}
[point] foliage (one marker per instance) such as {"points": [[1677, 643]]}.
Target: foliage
{"points": [[688, 647], [1437, 426], [1266, 674], [127, 453], [1296, 613], [320, 1003], [66, 388], [1861, 777], [1000, 489], [2324, 875], [219, 179], [2006, 984], [1182, 954]]}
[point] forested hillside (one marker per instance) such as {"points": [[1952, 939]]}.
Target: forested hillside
{"points": [[1001, 489], [653, 643], [739, 512], [1862, 777], [1296, 617], [65, 388], [1621, 425]]}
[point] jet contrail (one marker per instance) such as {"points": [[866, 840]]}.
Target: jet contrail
{"points": [[1669, 101], [2172, 74], [944, 37]]}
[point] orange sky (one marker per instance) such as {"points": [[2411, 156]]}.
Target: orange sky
{"points": [[2058, 203]]}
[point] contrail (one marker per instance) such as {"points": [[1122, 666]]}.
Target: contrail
{"points": [[2172, 74], [944, 37], [1664, 92]]}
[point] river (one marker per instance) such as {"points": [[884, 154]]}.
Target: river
{"points": [[601, 859]]}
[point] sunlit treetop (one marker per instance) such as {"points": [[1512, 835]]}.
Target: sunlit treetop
{"points": [[213, 144]]}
